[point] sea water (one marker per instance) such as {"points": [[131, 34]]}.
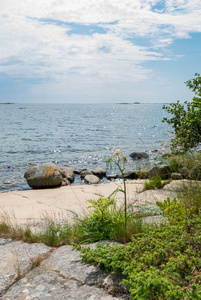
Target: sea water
{"points": [[76, 135]]}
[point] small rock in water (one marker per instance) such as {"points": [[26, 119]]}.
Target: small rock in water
{"points": [[112, 176], [85, 172], [99, 172], [130, 175], [139, 155], [92, 179]]}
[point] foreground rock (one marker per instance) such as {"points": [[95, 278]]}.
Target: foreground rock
{"points": [[60, 275], [43, 176], [17, 259]]}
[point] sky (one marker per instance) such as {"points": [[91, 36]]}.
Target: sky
{"points": [[98, 51]]}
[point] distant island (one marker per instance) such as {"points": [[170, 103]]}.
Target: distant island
{"points": [[128, 103], [7, 103]]}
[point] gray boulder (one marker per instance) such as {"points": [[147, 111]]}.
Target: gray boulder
{"points": [[67, 173], [176, 176], [92, 179], [85, 172], [112, 176], [139, 155], [43, 176], [78, 171], [99, 172], [129, 175], [163, 171]]}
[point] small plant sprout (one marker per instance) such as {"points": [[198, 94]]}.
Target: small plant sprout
{"points": [[120, 160]]}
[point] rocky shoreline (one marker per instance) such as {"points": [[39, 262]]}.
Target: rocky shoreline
{"points": [[36, 271], [49, 175]]}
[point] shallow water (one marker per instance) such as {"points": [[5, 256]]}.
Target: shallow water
{"points": [[75, 135]]}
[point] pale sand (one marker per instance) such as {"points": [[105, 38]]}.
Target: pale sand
{"points": [[23, 207]]}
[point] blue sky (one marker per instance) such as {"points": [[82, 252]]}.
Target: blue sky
{"points": [[89, 51]]}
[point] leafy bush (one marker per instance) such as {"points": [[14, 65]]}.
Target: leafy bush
{"points": [[179, 211], [164, 263], [186, 120]]}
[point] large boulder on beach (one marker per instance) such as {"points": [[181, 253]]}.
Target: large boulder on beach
{"points": [[43, 176], [163, 171], [139, 155], [99, 172]]}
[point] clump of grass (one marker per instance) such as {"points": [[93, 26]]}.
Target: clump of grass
{"points": [[154, 183], [52, 234]]}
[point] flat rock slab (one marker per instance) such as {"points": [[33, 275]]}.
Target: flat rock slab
{"points": [[65, 202], [16, 259], [61, 275]]}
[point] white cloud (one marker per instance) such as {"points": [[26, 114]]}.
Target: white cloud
{"points": [[33, 48]]}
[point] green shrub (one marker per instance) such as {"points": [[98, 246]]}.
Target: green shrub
{"points": [[164, 263], [178, 211]]}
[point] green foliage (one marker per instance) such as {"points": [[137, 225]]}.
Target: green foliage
{"points": [[186, 120], [154, 183], [179, 211], [164, 263], [175, 211]]}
